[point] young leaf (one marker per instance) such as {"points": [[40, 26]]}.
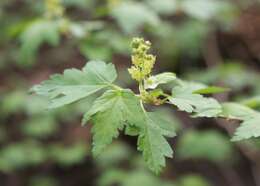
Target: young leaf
{"points": [[184, 98], [110, 113], [73, 84], [211, 90], [152, 143], [163, 78], [253, 102]]}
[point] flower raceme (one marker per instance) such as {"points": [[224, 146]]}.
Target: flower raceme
{"points": [[142, 62]]}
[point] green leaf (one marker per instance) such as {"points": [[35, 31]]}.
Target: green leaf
{"points": [[203, 9], [169, 117], [110, 113], [211, 90], [184, 98], [253, 102], [236, 111], [191, 86], [74, 84], [249, 127], [38, 32], [133, 15], [163, 78], [167, 127], [152, 143], [165, 7]]}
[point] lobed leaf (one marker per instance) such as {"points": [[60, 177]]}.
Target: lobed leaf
{"points": [[248, 129], [185, 99], [152, 143], [236, 111], [110, 113], [250, 126], [73, 84]]}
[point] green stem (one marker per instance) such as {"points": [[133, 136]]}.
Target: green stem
{"points": [[167, 96], [142, 106], [141, 87], [115, 87], [142, 91]]}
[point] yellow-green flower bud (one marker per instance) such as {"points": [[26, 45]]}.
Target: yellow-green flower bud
{"points": [[135, 73]]}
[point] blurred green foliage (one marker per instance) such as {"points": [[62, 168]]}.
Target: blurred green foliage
{"points": [[210, 145], [34, 44], [138, 176]]}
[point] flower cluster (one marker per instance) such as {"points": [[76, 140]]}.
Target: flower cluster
{"points": [[142, 61], [54, 8]]}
